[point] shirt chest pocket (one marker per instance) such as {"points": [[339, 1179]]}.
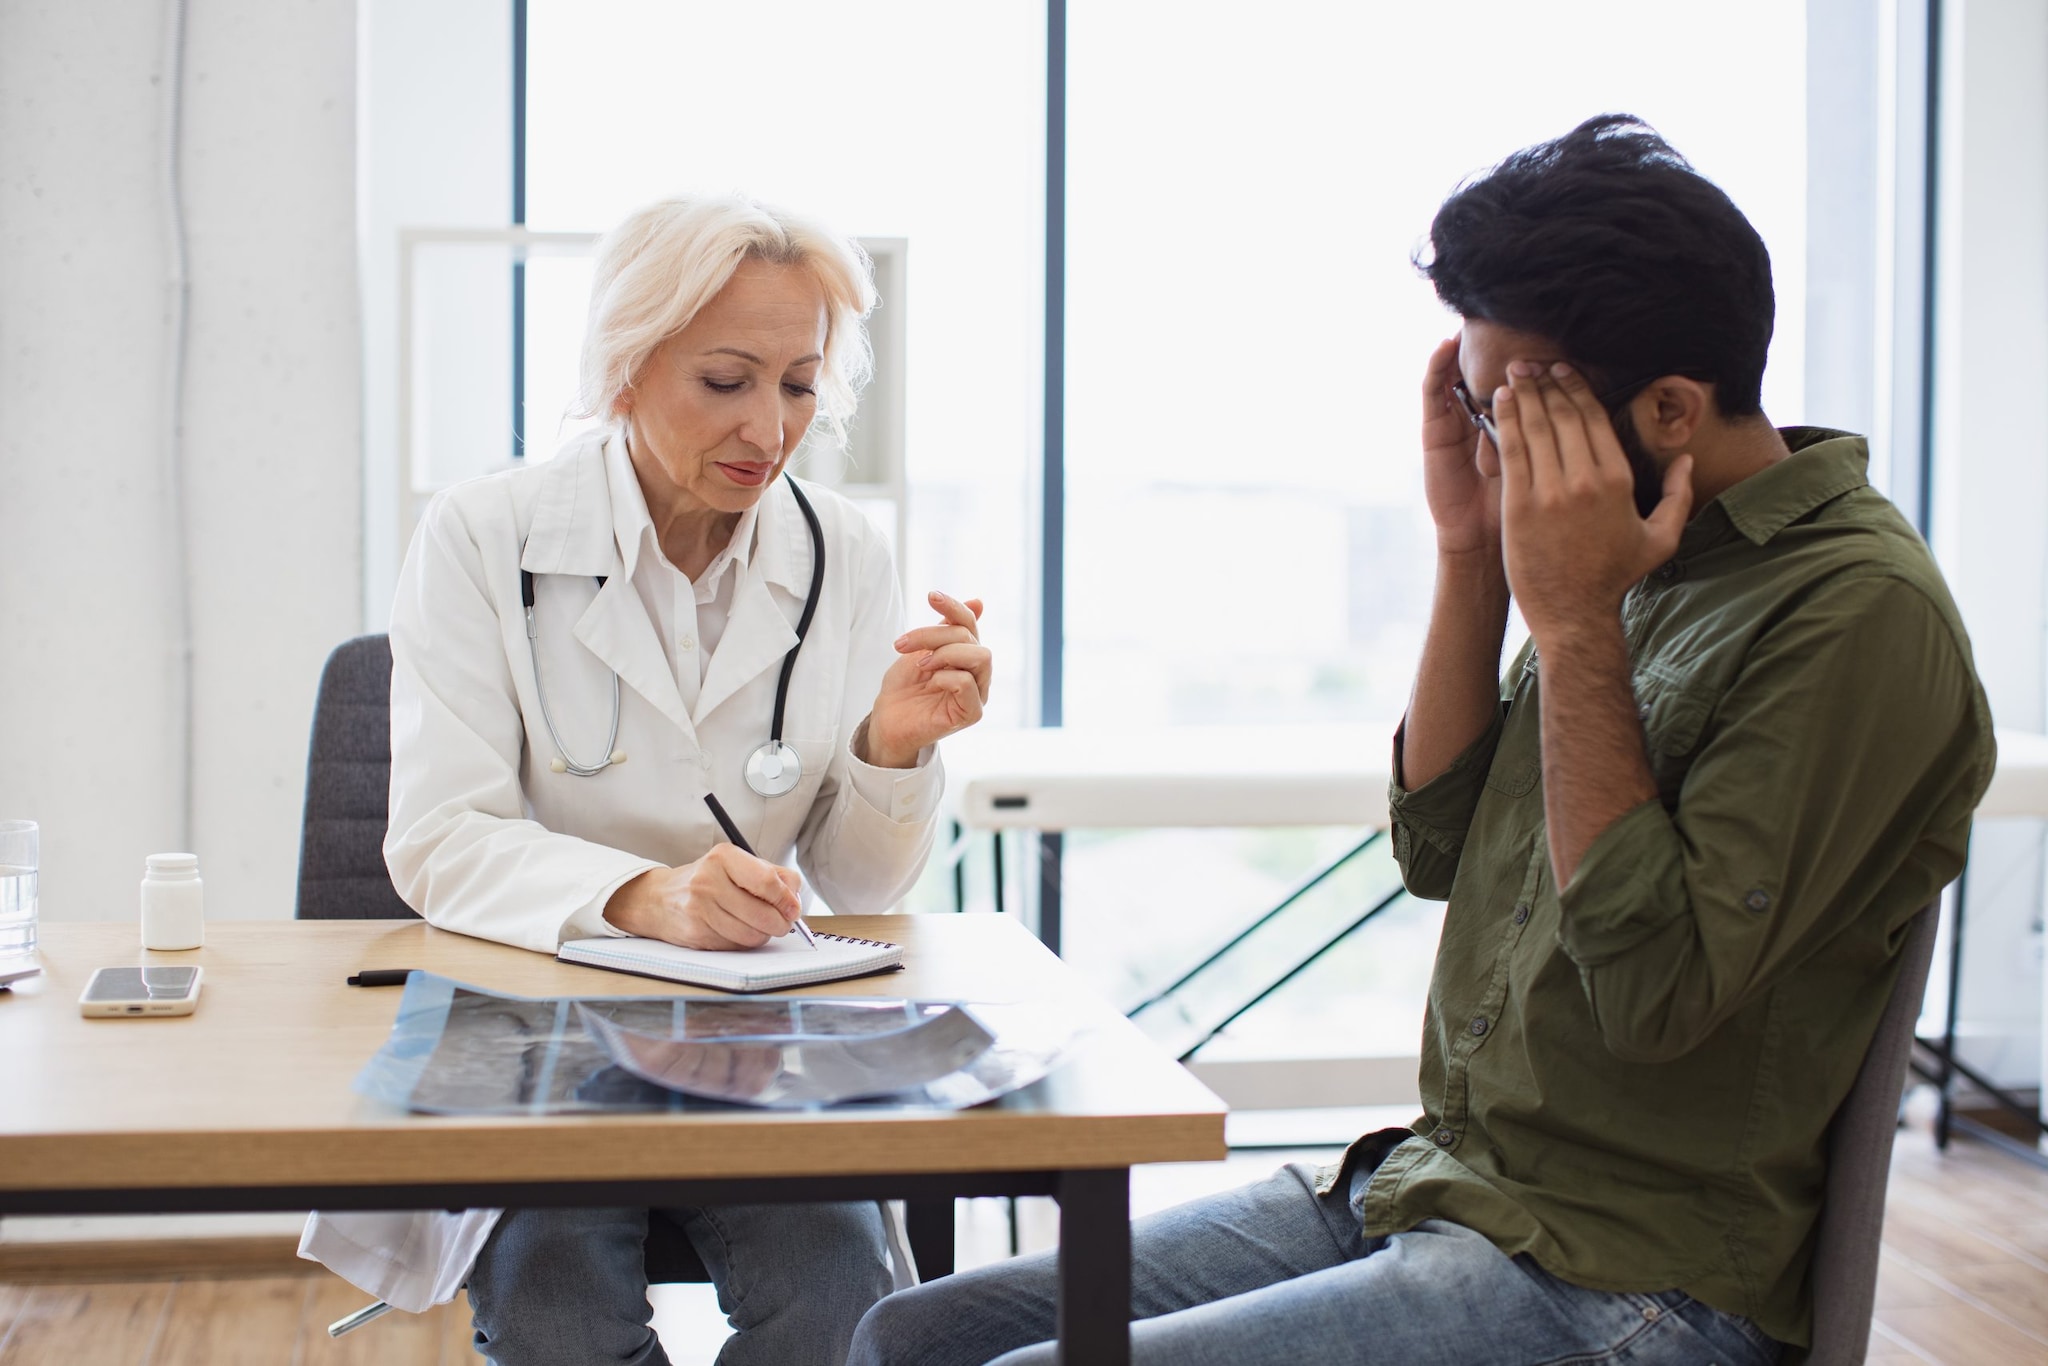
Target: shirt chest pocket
{"points": [[1674, 717]]}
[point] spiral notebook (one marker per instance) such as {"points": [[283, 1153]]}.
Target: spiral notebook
{"points": [[784, 962]]}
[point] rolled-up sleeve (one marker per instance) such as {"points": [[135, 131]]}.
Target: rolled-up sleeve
{"points": [[1430, 822], [1852, 726]]}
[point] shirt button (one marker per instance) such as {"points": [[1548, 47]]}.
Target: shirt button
{"points": [[1757, 899], [1643, 711], [1521, 912], [1669, 571], [1651, 1313], [688, 642], [1478, 1025], [1443, 1138], [704, 761]]}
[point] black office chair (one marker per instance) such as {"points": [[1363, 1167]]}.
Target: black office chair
{"points": [[342, 877], [348, 790]]}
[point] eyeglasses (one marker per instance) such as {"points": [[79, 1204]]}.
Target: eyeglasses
{"points": [[1476, 415], [1612, 400]]}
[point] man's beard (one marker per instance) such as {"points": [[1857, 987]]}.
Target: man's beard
{"points": [[1649, 478]]}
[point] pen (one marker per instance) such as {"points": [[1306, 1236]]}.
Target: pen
{"points": [[739, 842], [380, 977]]}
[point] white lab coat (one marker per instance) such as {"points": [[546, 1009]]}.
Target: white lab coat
{"points": [[485, 839]]}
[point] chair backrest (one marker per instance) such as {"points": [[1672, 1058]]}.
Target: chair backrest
{"points": [[1844, 1274], [348, 790]]}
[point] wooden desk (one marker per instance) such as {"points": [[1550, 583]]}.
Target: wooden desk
{"points": [[246, 1104]]}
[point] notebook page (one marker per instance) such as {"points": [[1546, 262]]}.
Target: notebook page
{"points": [[785, 961]]}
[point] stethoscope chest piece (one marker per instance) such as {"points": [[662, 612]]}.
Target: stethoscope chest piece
{"points": [[774, 769]]}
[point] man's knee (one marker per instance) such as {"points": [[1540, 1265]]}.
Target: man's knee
{"points": [[904, 1329]]}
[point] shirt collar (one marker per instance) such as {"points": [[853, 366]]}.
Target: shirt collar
{"points": [[1824, 465]]}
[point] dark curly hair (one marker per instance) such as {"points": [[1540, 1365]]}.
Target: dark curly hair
{"points": [[1609, 243]]}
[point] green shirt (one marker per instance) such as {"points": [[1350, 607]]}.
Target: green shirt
{"points": [[1631, 1082]]}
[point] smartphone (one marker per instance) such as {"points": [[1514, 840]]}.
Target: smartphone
{"points": [[119, 992]]}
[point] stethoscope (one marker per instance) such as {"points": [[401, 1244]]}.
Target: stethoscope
{"points": [[774, 768]]}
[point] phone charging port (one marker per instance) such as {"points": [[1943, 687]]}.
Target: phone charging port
{"points": [[134, 1010]]}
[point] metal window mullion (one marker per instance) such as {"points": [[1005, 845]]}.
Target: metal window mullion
{"points": [[1053, 472], [519, 24]]}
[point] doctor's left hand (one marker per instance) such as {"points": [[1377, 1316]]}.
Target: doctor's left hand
{"points": [[936, 686]]}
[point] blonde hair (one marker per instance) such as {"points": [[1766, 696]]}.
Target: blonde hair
{"points": [[666, 261]]}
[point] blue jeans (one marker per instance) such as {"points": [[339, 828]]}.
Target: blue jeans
{"points": [[1272, 1273], [563, 1285]]}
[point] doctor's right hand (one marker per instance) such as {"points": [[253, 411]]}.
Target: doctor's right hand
{"points": [[726, 900]]}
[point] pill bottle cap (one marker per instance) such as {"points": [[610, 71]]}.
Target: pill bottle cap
{"points": [[173, 865]]}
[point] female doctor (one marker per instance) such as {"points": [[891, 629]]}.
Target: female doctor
{"points": [[581, 650]]}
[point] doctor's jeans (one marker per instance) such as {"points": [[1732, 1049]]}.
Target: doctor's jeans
{"points": [[1274, 1275], [554, 1286]]}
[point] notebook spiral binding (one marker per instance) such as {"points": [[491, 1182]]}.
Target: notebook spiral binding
{"points": [[851, 939]]}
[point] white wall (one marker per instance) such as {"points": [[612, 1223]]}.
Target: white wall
{"points": [[1991, 483], [89, 704]]}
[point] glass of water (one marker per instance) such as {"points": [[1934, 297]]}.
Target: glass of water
{"points": [[17, 888]]}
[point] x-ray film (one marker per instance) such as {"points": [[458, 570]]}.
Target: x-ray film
{"points": [[457, 1049], [797, 1071]]}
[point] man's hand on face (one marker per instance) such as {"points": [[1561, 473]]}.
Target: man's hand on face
{"points": [[1460, 473], [1571, 537]]}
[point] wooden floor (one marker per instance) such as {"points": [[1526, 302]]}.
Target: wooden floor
{"points": [[1963, 1282], [1963, 1279], [266, 1321]]}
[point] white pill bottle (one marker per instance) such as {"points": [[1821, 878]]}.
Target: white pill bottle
{"points": [[173, 909]]}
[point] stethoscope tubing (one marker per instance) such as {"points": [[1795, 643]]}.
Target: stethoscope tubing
{"points": [[611, 744], [803, 622]]}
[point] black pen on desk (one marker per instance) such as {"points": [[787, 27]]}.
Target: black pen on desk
{"points": [[739, 842]]}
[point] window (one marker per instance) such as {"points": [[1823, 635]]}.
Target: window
{"points": [[905, 119], [1245, 538], [1247, 541]]}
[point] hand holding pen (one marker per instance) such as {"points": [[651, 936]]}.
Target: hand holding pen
{"points": [[728, 899], [732, 832]]}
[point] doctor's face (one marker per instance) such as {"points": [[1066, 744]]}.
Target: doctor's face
{"points": [[721, 406]]}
